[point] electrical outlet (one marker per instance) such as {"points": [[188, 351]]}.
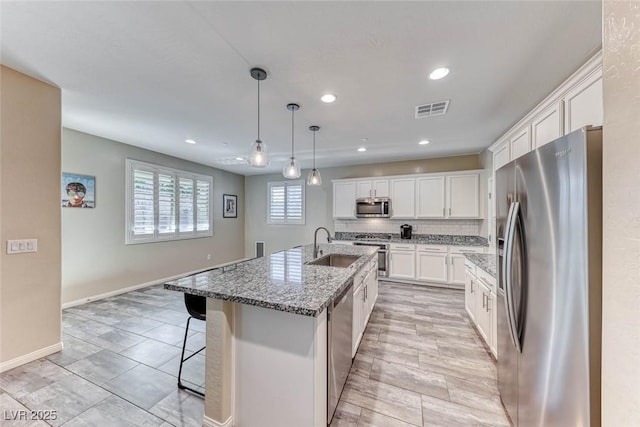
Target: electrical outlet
{"points": [[208, 257], [22, 246]]}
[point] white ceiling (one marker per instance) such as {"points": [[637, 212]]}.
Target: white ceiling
{"points": [[152, 74]]}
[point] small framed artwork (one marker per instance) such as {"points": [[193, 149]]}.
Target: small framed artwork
{"points": [[78, 191], [229, 206]]}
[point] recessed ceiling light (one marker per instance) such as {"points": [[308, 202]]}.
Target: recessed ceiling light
{"points": [[365, 139], [424, 142], [328, 98], [439, 73], [361, 149], [189, 141], [239, 158]]}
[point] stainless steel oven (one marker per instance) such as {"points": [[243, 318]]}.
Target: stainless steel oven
{"points": [[373, 207], [383, 256]]}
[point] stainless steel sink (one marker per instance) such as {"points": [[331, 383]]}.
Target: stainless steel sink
{"points": [[335, 260]]}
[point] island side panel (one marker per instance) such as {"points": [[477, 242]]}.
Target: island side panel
{"points": [[280, 377], [219, 363]]}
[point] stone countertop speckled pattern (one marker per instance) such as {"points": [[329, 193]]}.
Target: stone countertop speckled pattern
{"points": [[486, 262], [421, 239], [281, 281]]}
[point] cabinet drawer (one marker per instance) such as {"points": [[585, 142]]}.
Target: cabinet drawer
{"points": [[471, 249], [402, 247], [470, 267], [486, 278], [431, 248]]}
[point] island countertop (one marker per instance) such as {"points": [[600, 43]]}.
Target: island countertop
{"points": [[282, 281]]}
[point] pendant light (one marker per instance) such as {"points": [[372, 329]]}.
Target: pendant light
{"points": [[259, 157], [314, 177], [292, 170]]}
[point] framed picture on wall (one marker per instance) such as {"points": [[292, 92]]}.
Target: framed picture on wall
{"points": [[229, 206], [78, 191]]}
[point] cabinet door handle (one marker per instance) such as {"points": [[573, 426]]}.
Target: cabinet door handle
{"points": [[488, 306], [443, 212], [472, 286], [449, 211], [484, 303]]}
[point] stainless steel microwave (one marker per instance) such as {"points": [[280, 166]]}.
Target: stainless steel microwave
{"points": [[373, 207]]}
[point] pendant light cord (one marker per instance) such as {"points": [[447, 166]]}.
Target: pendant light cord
{"points": [[292, 110], [258, 110], [314, 150]]}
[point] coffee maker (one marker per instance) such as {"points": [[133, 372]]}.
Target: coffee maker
{"points": [[405, 231]]}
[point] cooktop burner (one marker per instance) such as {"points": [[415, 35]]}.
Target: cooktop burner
{"points": [[373, 236]]}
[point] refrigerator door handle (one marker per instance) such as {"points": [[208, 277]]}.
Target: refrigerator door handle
{"points": [[514, 210]]}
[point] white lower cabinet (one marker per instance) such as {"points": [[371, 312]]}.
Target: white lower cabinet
{"points": [[402, 262], [432, 264], [480, 304], [365, 294]]}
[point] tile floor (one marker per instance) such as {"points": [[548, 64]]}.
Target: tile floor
{"points": [[420, 363], [119, 366]]}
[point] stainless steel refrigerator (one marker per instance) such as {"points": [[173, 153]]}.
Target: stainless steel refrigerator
{"points": [[549, 231]]}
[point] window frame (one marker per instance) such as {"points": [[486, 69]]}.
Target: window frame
{"points": [[131, 166], [286, 221]]}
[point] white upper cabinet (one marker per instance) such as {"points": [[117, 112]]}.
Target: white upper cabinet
{"points": [[431, 197], [520, 143], [547, 126], [403, 197], [344, 199], [373, 188], [575, 103], [463, 199], [501, 156], [583, 103]]}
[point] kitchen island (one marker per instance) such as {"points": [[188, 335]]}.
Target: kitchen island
{"points": [[266, 357]]}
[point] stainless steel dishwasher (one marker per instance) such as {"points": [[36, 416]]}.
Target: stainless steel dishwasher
{"points": [[339, 333]]}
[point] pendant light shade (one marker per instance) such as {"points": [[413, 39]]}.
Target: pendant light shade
{"points": [[314, 177], [292, 170], [259, 156]]}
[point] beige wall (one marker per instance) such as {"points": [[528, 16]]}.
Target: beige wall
{"points": [[95, 259], [621, 212], [29, 209], [319, 200]]}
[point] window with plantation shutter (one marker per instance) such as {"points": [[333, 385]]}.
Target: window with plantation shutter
{"points": [[286, 202], [166, 204]]}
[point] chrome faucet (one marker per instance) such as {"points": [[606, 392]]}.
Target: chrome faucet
{"points": [[315, 240]]}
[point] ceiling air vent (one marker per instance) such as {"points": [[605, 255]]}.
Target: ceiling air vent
{"points": [[430, 110]]}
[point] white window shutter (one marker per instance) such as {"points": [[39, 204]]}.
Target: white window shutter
{"points": [[166, 204], [203, 203], [186, 205], [143, 203], [277, 203]]}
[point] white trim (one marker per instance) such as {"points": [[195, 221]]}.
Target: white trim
{"points": [[142, 285], [210, 422], [30, 357], [411, 175]]}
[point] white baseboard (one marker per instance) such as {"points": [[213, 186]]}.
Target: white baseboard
{"points": [[30, 357], [210, 422], [141, 285]]}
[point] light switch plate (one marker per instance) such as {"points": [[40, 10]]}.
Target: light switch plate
{"points": [[22, 246]]}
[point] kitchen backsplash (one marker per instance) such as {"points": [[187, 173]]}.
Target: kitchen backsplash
{"points": [[463, 227]]}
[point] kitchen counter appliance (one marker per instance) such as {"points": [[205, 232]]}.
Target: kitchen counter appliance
{"points": [[339, 336], [405, 231], [373, 207], [549, 229]]}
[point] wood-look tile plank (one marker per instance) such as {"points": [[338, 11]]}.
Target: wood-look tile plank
{"points": [[386, 399], [412, 379], [441, 413]]}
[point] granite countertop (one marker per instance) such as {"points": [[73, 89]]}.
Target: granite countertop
{"points": [[421, 239], [486, 262], [281, 281]]}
